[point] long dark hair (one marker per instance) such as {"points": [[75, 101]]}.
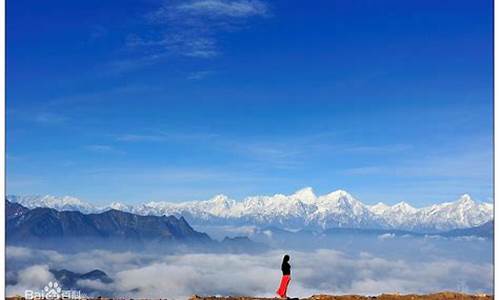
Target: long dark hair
{"points": [[286, 258]]}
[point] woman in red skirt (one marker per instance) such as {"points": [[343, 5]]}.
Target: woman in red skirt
{"points": [[285, 279]]}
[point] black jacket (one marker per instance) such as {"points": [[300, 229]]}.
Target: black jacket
{"points": [[285, 268]]}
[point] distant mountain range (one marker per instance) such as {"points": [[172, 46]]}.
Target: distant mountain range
{"points": [[47, 225], [72, 281], [485, 230], [48, 228], [303, 209]]}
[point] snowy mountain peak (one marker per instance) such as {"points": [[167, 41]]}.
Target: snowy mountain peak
{"points": [[301, 209], [306, 195], [59, 203], [465, 199], [404, 207], [219, 199], [222, 202], [338, 196], [119, 206], [379, 208]]}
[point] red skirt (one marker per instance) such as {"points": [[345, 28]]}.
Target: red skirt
{"points": [[285, 280]]}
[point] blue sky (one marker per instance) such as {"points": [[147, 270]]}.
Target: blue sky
{"points": [[181, 100]]}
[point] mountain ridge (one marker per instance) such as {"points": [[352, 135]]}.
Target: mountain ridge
{"points": [[302, 209], [47, 224]]}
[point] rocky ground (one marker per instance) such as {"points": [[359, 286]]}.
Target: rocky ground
{"points": [[437, 296]]}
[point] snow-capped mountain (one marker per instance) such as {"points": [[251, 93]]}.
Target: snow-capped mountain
{"points": [[57, 203], [303, 209]]}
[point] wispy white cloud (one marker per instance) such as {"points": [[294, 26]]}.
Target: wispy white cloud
{"points": [[103, 149], [171, 177], [444, 173], [458, 163], [162, 136], [24, 182], [193, 45], [377, 149], [284, 153], [110, 94], [140, 138], [60, 110], [173, 183], [49, 118], [278, 154], [366, 170], [217, 8], [41, 115], [191, 28], [132, 64], [198, 75]]}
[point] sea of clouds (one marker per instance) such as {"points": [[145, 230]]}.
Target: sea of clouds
{"points": [[141, 275]]}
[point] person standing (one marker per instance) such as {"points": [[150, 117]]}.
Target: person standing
{"points": [[285, 278]]}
